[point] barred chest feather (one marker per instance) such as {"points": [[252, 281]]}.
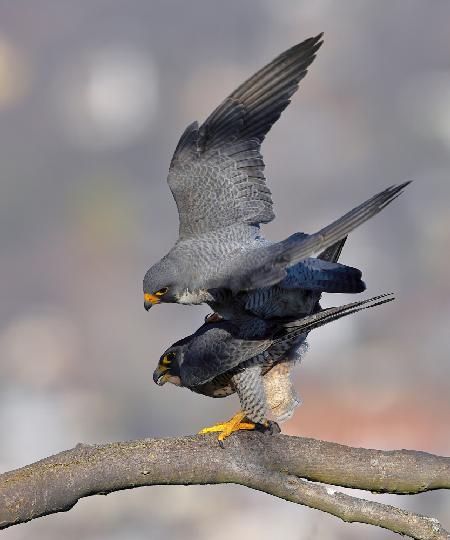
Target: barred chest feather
{"points": [[221, 386]]}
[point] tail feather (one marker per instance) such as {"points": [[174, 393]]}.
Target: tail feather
{"points": [[324, 276], [347, 285], [330, 254]]}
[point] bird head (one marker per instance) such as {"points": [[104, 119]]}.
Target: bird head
{"points": [[161, 284], [168, 369]]}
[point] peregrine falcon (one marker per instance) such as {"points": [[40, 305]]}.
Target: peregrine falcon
{"points": [[216, 177], [218, 360]]}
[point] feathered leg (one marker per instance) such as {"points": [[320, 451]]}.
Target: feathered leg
{"points": [[250, 389], [252, 395], [282, 399]]}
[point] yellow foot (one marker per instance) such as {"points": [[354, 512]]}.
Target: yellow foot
{"points": [[227, 428]]}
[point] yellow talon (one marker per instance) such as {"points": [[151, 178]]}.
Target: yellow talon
{"points": [[223, 427], [212, 429], [227, 428]]}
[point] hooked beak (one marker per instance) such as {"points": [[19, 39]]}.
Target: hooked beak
{"points": [[150, 300], [160, 375]]}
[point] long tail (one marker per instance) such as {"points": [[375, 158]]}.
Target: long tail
{"points": [[271, 266], [293, 329]]}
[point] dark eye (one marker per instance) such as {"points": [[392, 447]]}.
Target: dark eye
{"points": [[162, 291], [167, 358]]}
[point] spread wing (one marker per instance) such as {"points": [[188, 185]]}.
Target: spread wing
{"points": [[214, 351], [216, 174]]}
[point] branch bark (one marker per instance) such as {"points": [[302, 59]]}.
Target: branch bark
{"points": [[287, 467]]}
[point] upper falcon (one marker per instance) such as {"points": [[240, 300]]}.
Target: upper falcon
{"points": [[217, 180]]}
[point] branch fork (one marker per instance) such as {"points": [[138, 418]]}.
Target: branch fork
{"points": [[292, 468]]}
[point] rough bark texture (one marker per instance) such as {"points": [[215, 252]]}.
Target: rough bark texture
{"points": [[287, 467]]}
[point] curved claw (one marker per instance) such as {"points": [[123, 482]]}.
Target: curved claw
{"points": [[269, 426]]}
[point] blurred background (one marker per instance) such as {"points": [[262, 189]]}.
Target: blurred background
{"points": [[93, 98]]}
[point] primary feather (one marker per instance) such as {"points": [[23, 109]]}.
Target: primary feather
{"points": [[216, 174]]}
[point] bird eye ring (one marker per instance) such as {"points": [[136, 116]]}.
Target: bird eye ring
{"points": [[167, 358], [162, 291]]}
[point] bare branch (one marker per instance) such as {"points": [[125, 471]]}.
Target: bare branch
{"points": [[273, 464], [348, 508]]}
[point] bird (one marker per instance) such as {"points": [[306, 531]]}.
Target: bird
{"points": [[216, 177], [218, 360]]}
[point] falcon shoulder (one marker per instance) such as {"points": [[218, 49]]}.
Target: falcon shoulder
{"points": [[216, 351]]}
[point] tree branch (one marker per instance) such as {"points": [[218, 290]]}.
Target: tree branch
{"points": [[287, 467]]}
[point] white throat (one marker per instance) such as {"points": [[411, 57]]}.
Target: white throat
{"points": [[194, 297]]}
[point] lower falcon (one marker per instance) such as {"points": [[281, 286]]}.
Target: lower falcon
{"points": [[216, 361]]}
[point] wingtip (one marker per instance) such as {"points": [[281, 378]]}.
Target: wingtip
{"points": [[312, 45], [391, 193], [368, 303], [317, 41], [399, 187], [380, 300]]}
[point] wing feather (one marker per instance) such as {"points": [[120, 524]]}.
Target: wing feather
{"points": [[216, 173], [214, 351]]}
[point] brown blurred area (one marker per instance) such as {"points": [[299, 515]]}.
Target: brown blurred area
{"points": [[93, 98]]}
